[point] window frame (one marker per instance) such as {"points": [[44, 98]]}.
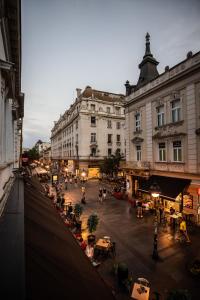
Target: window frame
{"points": [[177, 151], [176, 110], [137, 122], [160, 116], [93, 137], [138, 149], [162, 152]]}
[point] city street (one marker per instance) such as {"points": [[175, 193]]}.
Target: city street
{"points": [[134, 243]]}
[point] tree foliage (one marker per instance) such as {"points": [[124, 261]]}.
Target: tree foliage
{"points": [[33, 154], [110, 165]]}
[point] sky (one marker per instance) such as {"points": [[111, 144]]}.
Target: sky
{"points": [[69, 44]]}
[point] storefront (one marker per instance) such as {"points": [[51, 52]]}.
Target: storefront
{"points": [[174, 192]]}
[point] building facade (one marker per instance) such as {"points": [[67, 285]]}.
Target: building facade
{"points": [[91, 129], [163, 132], [11, 98]]}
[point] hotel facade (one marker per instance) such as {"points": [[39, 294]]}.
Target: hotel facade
{"points": [[91, 129]]}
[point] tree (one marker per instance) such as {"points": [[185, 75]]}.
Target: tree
{"points": [[33, 154], [110, 165]]}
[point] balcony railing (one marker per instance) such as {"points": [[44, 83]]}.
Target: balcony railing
{"points": [[144, 165]]}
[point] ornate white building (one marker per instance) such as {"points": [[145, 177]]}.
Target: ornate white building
{"points": [[163, 132], [91, 129], [11, 98]]}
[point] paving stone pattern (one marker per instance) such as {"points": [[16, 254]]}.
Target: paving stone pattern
{"points": [[134, 244]]}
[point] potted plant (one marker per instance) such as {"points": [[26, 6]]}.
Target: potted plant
{"points": [[78, 210], [92, 223], [122, 272]]}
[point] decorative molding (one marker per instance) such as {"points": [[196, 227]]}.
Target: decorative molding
{"points": [[161, 135], [137, 140]]}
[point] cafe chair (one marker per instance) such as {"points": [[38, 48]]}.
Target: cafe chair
{"points": [[113, 249], [107, 238]]}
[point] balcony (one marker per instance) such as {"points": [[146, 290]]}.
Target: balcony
{"points": [[109, 143], [118, 143], [138, 165], [93, 143]]}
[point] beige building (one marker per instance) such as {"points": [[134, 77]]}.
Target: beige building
{"points": [[91, 129], [163, 132], [11, 98]]}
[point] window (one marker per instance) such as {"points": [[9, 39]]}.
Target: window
{"points": [[118, 125], [117, 110], [108, 110], [160, 115], [177, 151], [93, 121], [138, 153], [93, 137], [137, 122], [118, 137], [93, 152], [109, 124], [76, 124], [109, 138], [176, 110], [162, 151], [118, 151], [76, 138], [109, 151], [92, 106]]}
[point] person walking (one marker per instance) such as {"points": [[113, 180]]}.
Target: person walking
{"points": [[66, 182], [100, 195], [183, 230], [139, 209], [104, 193]]}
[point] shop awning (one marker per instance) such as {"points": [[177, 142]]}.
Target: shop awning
{"points": [[170, 187], [56, 267]]}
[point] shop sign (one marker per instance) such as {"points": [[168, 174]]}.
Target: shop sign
{"points": [[198, 191]]}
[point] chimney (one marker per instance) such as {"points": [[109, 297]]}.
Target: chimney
{"points": [[78, 92]]}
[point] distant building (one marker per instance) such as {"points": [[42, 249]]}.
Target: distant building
{"points": [[11, 98], [163, 132], [91, 129], [46, 156], [42, 146]]}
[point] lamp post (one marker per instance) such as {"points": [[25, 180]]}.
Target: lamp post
{"points": [[155, 193]]}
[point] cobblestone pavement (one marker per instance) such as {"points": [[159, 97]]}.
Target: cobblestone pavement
{"points": [[134, 244]]}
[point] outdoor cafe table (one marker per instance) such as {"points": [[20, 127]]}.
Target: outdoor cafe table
{"points": [[140, 292], [103, 244]]}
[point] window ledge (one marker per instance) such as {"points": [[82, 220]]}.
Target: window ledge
{"points": [[178, 123], [138, 131], [170, 163]]}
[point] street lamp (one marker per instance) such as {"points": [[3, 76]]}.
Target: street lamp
{"points": [[155, 193], [83, 174]]}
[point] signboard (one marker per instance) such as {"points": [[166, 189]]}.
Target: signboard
{"points": [[55, 177], [198, 191]]}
